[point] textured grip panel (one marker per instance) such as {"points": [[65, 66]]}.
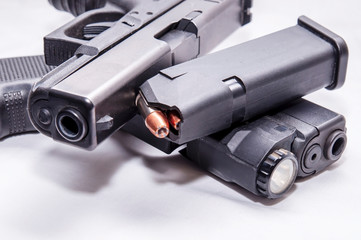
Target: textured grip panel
{"points": [[57, 51], [17, 75], [16, 111], [22, 68]]}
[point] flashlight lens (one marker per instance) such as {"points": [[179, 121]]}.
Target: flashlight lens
{"points": [[282, 176]]}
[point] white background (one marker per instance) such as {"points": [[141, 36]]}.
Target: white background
{"points": [[127, 190]]}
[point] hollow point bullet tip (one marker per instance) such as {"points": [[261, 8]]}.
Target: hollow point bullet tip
{"points": [[157, 124]]}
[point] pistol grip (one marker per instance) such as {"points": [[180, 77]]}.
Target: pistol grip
{"points": [[17, 75]]}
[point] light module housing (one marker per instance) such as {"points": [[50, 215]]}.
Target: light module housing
{"points": [[309, 136]]}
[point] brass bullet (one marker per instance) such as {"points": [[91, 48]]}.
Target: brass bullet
{"points": [[155, 120], [157, 124], [174, 120]]}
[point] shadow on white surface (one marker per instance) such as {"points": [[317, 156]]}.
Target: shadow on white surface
{"points": [[168, 168], [79, 172], [177, 169], [90, 172]]}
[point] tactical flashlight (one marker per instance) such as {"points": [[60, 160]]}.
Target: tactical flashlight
{"points": [[265, 155]]}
